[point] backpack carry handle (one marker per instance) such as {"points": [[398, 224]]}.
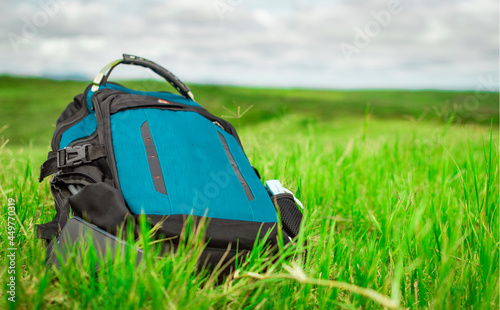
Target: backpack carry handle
{"points": [[102, 76]]}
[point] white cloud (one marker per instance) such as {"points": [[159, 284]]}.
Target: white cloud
{"points": [[448, 44]]}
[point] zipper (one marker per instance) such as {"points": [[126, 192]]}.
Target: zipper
{"points": [[153, 103], [170, 106]]}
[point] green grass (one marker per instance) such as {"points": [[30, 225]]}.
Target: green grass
{"points": [[407, 207]]}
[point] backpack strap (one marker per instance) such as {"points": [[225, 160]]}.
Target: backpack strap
{"points": [[71, 156], [51, 229]]}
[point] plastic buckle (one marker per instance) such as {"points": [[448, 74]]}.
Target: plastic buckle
{"points": [[276, 188], [72, 156]]}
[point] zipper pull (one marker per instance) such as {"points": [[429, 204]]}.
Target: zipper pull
{"points": [[218, 124]]}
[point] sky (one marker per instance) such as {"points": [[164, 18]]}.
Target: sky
{"points": [[409, 44]]}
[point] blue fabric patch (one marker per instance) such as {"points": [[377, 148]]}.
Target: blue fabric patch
{"points": [[198, 176], [82, 129]]}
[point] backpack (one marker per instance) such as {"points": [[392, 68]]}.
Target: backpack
{"points": [[118, 153]]}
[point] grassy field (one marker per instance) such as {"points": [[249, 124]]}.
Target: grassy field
{"points": [[401, 190]]}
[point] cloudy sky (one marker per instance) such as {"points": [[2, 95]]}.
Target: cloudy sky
{"points": [[297, 43]]}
